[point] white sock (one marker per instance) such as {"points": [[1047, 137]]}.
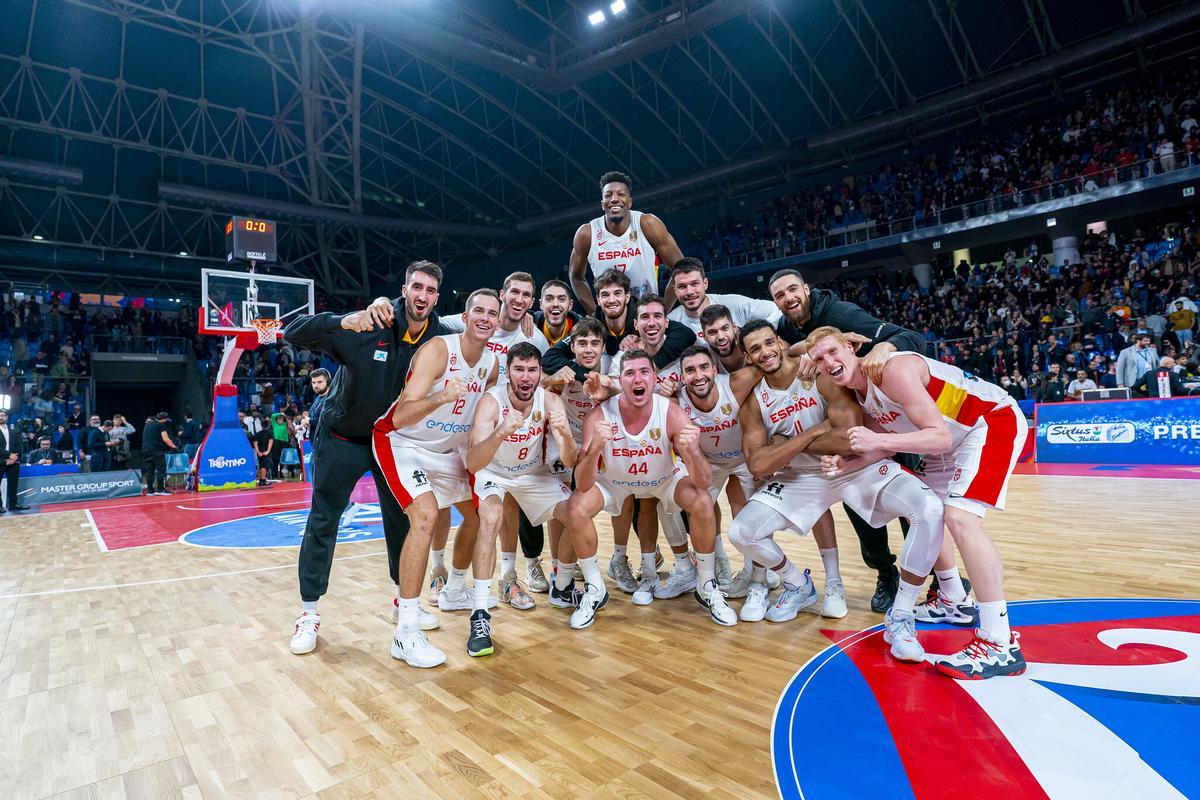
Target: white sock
{"points": [[789, 574], [564, 577], [648, 569], [719, 547], [619, 551], [683, 560], [591, 572], [906, 597], [311, 608], [706, 565], [457, 579], [829, 559], [758, 574], [507, 561], [481, 592], [437, 558], [993, 622], [409, 610], [951, 585]]}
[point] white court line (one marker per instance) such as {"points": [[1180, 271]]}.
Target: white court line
{"points": [[174, 580], [144, 502], [238, 508], [87, 512]]}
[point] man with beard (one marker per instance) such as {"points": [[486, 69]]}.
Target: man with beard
{"points": [[631, 242], [419, 443], [721, 336], [804, 310], [554, 318], [374, 356], [639, 444], [507, 459], [691, 291]]}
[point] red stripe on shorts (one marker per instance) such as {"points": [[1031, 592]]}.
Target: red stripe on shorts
{"points": [[387, 463], [996, 458], [471, 480]]}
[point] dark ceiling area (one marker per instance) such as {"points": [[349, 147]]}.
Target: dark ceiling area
{"points": [[378, 131]]}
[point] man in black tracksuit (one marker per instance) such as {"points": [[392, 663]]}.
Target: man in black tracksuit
{"points": [[804, 310], [373, 358]]}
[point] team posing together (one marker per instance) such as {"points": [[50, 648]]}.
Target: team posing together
{"points": [[520, 420]]}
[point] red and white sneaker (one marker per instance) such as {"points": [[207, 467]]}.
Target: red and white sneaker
{"points": [[982, 659], [304, 635], [938, 609]]}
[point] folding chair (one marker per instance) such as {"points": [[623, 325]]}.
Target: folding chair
{"points": [[178, 464]]}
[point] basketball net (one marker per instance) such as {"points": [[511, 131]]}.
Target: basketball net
{"points": [[267, 328]]}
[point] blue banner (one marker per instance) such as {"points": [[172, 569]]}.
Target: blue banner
{"points": [[1152, 431], [226, 460]]}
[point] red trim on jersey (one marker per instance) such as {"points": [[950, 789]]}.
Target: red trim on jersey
{"points": [[972, 409], [996, 457], [935, 387], [382, 448]]}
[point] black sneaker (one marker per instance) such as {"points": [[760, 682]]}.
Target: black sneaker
{"points": [[565, 598], [480, 641], [885, 590]]}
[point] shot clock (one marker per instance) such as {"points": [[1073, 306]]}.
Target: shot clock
{"points": [[250, 239]]}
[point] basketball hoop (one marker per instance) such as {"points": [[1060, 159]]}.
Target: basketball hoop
{"points": [[267, 328]]}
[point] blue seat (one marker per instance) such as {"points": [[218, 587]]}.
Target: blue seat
{"points": [[288, 457], [179, 464]]}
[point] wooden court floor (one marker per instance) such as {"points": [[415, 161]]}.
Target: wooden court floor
{"points": [[164, 671]]}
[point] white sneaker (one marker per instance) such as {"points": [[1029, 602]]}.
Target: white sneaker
{"points": [[758, 600], [304, 635], [739, 584], [724, 572], [536, 576], [834, 606], [793, 598], [459, 599], [900, 631], [594, 598], [682, 579], [412, 647], [427, 621], [621, 573], [773, 580], [939, 609], [714, 601], [644, 595]]}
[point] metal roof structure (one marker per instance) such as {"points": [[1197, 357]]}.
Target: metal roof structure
{"points": [[377, 131]]}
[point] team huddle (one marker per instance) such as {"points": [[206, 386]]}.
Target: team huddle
{"points": [[646, 412]]}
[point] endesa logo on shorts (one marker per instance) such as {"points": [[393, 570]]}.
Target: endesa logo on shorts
{"points": [[1108, 707], [1096, 433]]}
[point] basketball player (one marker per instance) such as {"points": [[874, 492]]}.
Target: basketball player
{"points": [[800, 490], [630, 447], [971, 434], [374, 355], [507, 457], [631, 242], [554, 318], [691, 290], [419, 444], [720, 335]]}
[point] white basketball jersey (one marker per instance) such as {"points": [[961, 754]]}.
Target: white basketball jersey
{"points": [[672, 371], [502, 340], [791, 411], [577, 403], [523, 450], [962, 399], [644, 460], [630, 254], [720, 430], [447, 427]]}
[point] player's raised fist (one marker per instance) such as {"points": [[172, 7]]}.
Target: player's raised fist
{"points": [[831, 465], [688, 437], [602, 429], [454, 389], [863, 439], [513, 421]]}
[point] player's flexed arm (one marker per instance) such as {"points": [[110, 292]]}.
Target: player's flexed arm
{"points": [[487, 435], [560, 429], [597, 433], [685, 438], [904, 382], [418, 399], [762, 457]]}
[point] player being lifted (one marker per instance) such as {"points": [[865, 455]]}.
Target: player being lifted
{"points": [[507, 458], [971, 434], [419, 444], [629, 449], [631, 242]]}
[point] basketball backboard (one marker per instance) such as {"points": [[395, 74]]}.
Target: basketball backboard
{"points": [[230, 300]]}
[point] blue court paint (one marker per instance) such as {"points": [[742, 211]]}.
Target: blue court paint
{"points": [[363, 522]]}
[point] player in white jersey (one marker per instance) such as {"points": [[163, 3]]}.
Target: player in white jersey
{"points": [[720, 335], [812, 418], [419, 444], [628, 241], [970, 433], [507, 458], [691, 290], [639, 444]]}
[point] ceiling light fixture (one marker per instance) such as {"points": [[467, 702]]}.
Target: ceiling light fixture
{"points": [[596, 17], [617, 7]]}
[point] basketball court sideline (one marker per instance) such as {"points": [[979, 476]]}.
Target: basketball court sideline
{"points": [[136, 666]]}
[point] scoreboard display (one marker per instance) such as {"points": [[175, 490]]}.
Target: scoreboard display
{"points": [[249, 239]]}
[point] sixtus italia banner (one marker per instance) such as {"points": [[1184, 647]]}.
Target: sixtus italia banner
{"points": [[1152, 431]]}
